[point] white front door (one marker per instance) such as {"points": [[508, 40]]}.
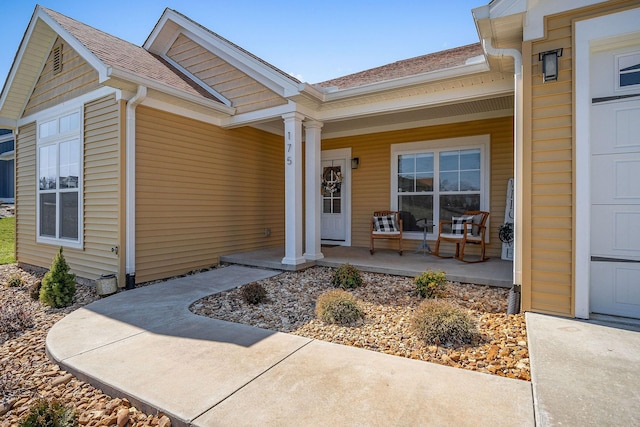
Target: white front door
{"points": [[615, 182], [335, 193]]}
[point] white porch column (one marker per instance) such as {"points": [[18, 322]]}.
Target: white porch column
{"points": [[313, 171], [293, 189]]}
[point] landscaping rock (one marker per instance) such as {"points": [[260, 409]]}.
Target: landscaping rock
{"points": [[389, 303]]}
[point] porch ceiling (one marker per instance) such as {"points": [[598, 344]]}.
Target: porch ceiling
{"points": [[500, 106]]}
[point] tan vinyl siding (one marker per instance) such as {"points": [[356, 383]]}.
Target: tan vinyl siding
{"points": [[549, 176], [245, 93], [102, 196], [371, 181], [76, 78], [203, 191]]}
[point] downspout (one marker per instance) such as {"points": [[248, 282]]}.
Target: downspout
{"points": [[130, 137], [517, 152]]}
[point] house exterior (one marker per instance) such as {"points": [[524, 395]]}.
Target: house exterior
{"points": [[152, 161], [7, 165]]}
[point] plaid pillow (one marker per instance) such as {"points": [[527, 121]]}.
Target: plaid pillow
{"points": [[458, 222], [385, 223]]}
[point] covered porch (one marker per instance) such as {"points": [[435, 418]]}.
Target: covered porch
{"points": [[494, 272]]}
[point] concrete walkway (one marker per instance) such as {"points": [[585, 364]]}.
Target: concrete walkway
{"points": [[147, 346]]}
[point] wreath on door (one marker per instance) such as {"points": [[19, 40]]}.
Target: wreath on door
{"points": [[331, 179]]}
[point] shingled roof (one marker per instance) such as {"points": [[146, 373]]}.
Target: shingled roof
{"points": [[120, 54], [407, 67]]}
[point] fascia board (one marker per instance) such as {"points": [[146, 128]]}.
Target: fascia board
{"points": [[152, 84], [205, 86], [81, 49], [255, 117], [503, 87], [244, 62], [460, 71]]}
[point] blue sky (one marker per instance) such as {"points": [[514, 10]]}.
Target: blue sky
{"points": [[314, 41]]}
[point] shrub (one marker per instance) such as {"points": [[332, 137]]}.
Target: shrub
{"points": [[338, 306], [14, 281], [34, 290], [443, 323], [15, 317], [346, 277], [431, 284], [49, 413], [254, 293], [58, 285]]}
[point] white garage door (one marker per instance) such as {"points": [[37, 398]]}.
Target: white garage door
{"points": [[615, 182]]}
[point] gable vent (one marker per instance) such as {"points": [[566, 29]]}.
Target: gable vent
{"points": [[57, 59]]}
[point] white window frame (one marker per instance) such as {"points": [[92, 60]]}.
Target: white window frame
{"points": [[618, 72], [57, 139], [481, 142]]}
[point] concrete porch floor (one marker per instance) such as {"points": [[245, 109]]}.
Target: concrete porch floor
{"points": [[494, 272]]}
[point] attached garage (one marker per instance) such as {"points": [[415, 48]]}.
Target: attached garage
{"points": [[608, 158]]}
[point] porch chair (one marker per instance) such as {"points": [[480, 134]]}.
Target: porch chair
{"points": [[468, 228], [385, 225]]}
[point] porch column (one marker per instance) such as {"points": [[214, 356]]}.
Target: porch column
{"points": [[313, 171], [293, 189]]}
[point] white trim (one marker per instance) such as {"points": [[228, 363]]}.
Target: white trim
{"points": [[181, 111], [482, 142], [538, 10], [69, 105], [342, 154], [205, 86], [57, 140], [590, 33]]}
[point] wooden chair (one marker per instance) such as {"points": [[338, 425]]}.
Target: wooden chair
{"points": [[385, 225], [468, 228]]}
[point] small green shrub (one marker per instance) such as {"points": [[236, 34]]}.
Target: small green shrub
{"points": [[338, 306], [58, 285], [443, 323], [431, 284], [49, 413], [346, 277], [34, 290], [254, 293], [14, 281]]}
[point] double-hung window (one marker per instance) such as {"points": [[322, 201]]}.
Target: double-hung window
{"points": [[59, 186], [436, 180]]}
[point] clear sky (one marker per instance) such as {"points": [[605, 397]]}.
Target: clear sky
{"points": [[312, 40]]}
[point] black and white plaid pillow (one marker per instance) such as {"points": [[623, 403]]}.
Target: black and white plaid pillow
{"points": [[385, 223], [458, 222]]}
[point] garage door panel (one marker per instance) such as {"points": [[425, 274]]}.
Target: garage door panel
{"points": [[615, 288], [615, 127], [615, 178], [615, 231]]}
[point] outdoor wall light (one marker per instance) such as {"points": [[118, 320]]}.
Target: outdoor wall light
{"points": [[549, 61], [355, 162]]}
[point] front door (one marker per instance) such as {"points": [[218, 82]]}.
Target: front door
{"points": [[615, 182], [332, 192]]}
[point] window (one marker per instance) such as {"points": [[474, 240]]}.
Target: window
{"points": [[439, 179], [629, 70], [59, 180]]}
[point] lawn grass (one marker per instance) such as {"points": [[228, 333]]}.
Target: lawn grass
{"points": [[7, 239]]}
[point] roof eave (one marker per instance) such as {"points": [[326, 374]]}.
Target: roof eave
{"points": [[117, 73], [416, 79]]}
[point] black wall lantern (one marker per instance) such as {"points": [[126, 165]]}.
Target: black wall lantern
{"points": [[355, 162], [549, 61]]}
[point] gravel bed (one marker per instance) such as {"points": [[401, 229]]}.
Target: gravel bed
{"points": [[389, 303], [26, 373]]}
